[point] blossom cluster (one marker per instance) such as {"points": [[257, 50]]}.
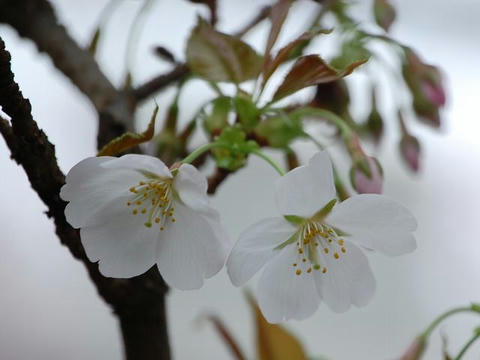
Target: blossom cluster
{"points": [[134, 212]]}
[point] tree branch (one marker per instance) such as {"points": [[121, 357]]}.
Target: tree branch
{"points": [[139, 303]]}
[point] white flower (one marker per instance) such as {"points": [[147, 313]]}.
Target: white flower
{"points": [[133, 213], [314, 255]]}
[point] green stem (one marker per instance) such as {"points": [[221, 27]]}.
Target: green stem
{"points": [[467, 345], [438, 320], [270, 161], [199, 151]]}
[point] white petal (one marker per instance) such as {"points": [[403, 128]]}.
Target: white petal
{"points": [[191, 186], [190, 249], [124, 246], [376, 222], [348, 280], [255, 247], [306, 189], [284, 295], [139, 162], [80, 173], [91, 188]]}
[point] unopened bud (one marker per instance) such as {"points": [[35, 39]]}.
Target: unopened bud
{"points": [[416, 349], [384, 13], [410, 150], [375, 122], [367, 182], [426, 85]]}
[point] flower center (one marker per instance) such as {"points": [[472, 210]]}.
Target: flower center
{"points": [[154, 199], [315, 242]]}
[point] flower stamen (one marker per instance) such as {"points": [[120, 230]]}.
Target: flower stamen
{"points": [[156, 196]]}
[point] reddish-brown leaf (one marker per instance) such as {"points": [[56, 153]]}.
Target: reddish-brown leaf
{"points": [[129, 139], [278, 14], [273, 341], [272, 63], [310, 70], [220, 57]]}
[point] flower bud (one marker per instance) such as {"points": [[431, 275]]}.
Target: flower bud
{"points": [[374, 123], [384, 14], [410, 151], [416, 349], [370, 181], [426, 86]]}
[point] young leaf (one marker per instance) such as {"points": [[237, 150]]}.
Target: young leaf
{"points": [[353, 51], [220, 57], [279, 131], [247, 112], [273, 341], [287, 52], [278, 14], [217, 120], [129, 139], [234, 154], [311, 70]]}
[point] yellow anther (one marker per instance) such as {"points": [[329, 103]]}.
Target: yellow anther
{"points": [[325, 250], [144, 211], [139, 202], [340, 242], [157, 220], [309, 270], [141, 183], [316, 267], [324, 270], [300, 251], [298, 272], [135, 212], [173, 219], [148, 224], [344, 250], [336, 256], [132, 189], [304, 260], [162, 228], [294, 264]]}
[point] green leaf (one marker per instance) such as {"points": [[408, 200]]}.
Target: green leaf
{"points": [[289, 51], [246, 110], [129, 139], [217, 120], [279, 131], [233, 154], [273, 341], [310, 70], [353, 52], [220, 57]]}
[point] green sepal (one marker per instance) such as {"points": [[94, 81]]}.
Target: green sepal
{"points": [[320, 215], [294, 219]]}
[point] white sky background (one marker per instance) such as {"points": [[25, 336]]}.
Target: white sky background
{"points": [[50, 310]]}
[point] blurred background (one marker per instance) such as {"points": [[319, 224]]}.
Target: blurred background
{"points": [[50, 310]]}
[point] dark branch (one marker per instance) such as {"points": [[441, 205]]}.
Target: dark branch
{"points": [[138, 302], [151, 87]]}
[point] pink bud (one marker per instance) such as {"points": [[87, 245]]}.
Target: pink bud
{"points": [[416, 349], [410, 150], [365, 184], [434, 93]]}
